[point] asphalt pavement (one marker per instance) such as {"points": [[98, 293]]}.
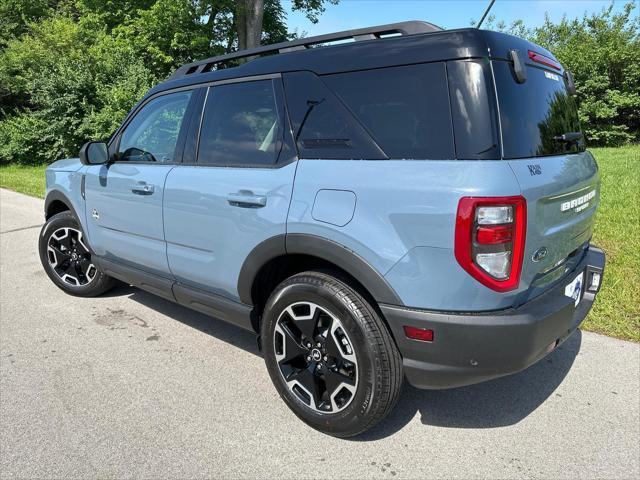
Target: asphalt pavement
{"points": [[131, 385]]}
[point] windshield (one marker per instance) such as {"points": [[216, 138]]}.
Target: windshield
{"points": [[538, 117]]}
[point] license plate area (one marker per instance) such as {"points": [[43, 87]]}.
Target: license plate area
{"points": [[575, 288]]}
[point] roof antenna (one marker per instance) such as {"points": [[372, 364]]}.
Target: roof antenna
{"points": [[486, 12]]}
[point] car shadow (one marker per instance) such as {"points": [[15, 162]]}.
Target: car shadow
{"points": [[220, 329], [496, 403]]}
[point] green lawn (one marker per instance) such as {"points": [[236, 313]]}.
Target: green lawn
{"points": [[617, 311], [29, 180]]}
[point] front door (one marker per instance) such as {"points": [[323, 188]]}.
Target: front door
{"points": [[124, 198], [237, 194]]}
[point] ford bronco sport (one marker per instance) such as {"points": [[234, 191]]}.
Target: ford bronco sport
{"points": [[397, 201]]}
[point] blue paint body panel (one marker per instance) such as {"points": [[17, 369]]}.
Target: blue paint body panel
{"points": [[402, 223], [65, 176], [130, 226], [208, 238], [405, 206]]}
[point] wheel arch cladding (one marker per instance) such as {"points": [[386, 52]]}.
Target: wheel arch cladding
{"points": [[279, 257], [56, 202]]}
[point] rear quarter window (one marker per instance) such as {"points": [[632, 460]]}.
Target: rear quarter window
{"points": [[322, 126], [405, 109]]}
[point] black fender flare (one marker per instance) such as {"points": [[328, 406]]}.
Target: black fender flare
{"points": [[325, 249], [56, 195]]}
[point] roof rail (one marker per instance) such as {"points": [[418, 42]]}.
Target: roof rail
{"points": [[360, 34]]}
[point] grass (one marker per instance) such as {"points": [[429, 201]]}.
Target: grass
{"points": [[29, 180], [617, 310]]}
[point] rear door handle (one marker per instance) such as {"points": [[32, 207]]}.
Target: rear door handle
{"points": [[143, 188], [246, 199]]}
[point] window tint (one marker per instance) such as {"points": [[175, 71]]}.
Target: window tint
{"points": [[534, 112], [473, 109], [322, 126], [241, 125], [152, 135], [406, 109]]}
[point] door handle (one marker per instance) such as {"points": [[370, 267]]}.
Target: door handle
{"points": [[246, 199], [143, 188]]}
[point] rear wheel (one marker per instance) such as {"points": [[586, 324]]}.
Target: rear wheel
{"points": [[330, 355], [67, 259]]}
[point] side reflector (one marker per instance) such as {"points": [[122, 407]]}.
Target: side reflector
{"points": [[422, 334]]}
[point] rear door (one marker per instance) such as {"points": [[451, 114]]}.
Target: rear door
{"points": [[124, 198], [236, 191], [542, 142]]}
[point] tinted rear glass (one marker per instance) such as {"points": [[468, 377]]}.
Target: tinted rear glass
{"points": [[475, 118], [534, 112], [241, 125], [406, 109], [322, 125]]}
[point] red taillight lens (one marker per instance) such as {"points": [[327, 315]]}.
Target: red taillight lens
{"points": [[489, 239], [422, 334], [544, 60], [496, 234]]}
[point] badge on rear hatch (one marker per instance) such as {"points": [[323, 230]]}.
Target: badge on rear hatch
{"points": [[578, 203], [551, 76]]}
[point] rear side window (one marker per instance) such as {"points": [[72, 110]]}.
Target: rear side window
{"points": [[534, 112], [406, 109], [241, 125], [474, 113], [322, 126]]}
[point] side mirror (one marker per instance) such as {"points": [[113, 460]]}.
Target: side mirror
{"points": [[94, 153]]}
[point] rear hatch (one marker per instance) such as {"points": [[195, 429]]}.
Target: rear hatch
{"points": [[543, 143]]}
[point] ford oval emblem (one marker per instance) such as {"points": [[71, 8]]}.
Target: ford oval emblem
{"points": [[539, 254]]}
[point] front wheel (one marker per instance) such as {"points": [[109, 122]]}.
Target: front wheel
{"points": [[67, 259], [330, 355]]}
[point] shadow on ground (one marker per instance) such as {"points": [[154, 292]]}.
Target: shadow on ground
{"points": [[497, 403]]}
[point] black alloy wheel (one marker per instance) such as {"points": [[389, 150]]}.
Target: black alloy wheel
{"points": [[67, 258]]}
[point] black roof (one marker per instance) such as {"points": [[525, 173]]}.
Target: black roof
{"points": [[409, 48]]}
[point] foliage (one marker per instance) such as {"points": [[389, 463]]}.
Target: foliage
{"points": [[601, 50], [70, 70]]}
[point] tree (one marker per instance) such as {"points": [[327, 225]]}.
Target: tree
{"points": [[601, 50], [70, 70], [248, 18]]}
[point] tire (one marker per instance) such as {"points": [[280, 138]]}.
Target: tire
{"points": [[351, 377], [67, 259]]}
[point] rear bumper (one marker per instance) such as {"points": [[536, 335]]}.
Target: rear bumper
{"points": [[473, 347]]}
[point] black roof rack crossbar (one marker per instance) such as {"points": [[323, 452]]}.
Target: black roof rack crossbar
{"points": [[360, 34]]}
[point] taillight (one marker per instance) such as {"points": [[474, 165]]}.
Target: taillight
{"points": [[489, 239], [544, 60]]}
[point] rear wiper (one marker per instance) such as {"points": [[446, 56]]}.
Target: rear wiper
{"points": [[569, 137]]}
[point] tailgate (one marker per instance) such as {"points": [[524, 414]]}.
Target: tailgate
{"points": [[562, 194]]}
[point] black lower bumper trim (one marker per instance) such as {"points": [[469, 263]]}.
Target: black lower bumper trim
{"points": [[470, 348]]}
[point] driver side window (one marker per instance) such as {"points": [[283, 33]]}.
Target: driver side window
{"points": [[152, 135]]}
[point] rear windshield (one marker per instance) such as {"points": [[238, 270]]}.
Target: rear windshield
{"points": [[534, 112]]}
